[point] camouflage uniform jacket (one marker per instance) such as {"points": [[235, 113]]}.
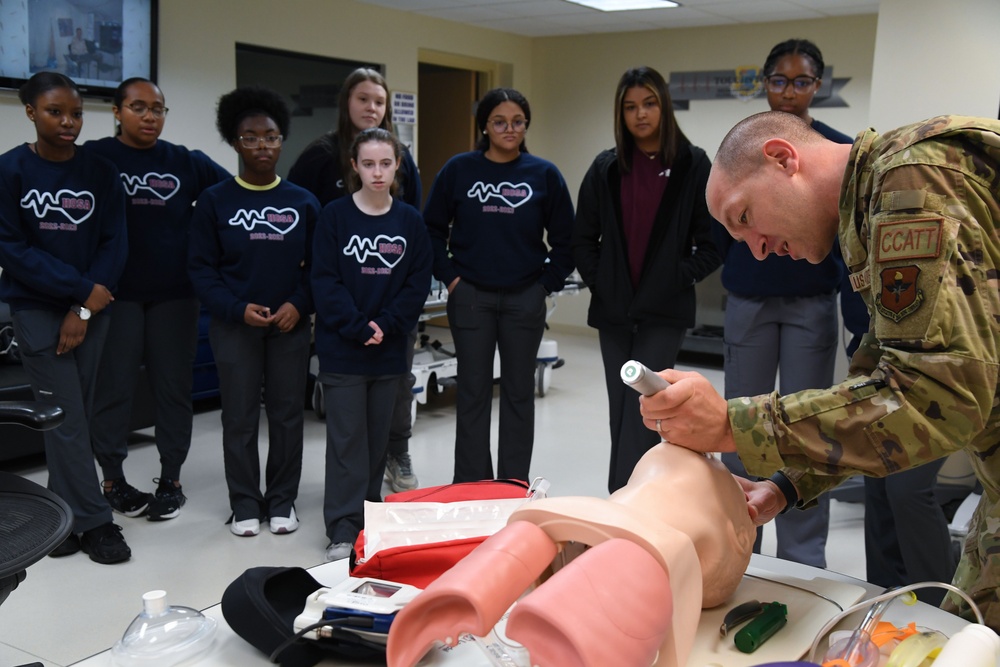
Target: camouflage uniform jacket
{"points": [[919, 214]]}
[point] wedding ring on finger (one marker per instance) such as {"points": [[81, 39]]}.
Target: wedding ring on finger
{"points": [[658, 429]]}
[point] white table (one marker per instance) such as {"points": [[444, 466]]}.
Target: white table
{"points": [[229, 650]]}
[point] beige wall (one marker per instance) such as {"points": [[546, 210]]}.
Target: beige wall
{"points": [[197, 56], [576, 78], [569, 80]]}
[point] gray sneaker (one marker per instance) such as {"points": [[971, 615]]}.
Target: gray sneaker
{"points": [[399, 472]]}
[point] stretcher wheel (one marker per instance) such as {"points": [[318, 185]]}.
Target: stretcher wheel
{"points": [[543, 377]]}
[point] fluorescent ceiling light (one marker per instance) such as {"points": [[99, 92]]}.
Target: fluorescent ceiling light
{"points": [[625, 5]]}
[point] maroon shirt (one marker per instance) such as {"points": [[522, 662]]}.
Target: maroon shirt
{"points": [[642, 191]]}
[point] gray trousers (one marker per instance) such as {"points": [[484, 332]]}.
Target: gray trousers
{"points": [[67, 380], [482, 322], [657, 347], [798, 337], [164, 335], [402, 412], [247, 357], [358, 412]]}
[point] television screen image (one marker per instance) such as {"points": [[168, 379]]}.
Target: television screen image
{"points": [[97, 43]]}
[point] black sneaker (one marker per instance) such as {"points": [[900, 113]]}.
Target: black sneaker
{"points": [[167, 502], [126, 499], [105, 544], [69, 546]]}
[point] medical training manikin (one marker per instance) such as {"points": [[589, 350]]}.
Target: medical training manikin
{"points": [[616, 582]]}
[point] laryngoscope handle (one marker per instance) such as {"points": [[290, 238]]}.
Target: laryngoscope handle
{"points": [[640, 378]]}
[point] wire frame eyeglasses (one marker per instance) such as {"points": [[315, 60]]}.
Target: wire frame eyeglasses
{"points": [[141, 109], [500, 125], [269, 141]]}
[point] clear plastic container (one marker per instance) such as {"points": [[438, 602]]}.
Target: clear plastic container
{"points": [[163, 636]]}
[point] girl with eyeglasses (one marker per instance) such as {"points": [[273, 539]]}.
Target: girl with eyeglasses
{"points": [[500, 221], [324, 168], [251, 242], [781, 314], [154, 319], [62, 248], [642, 239], [370, 277]]}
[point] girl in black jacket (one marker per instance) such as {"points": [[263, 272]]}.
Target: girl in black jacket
{"points": [[642, 239]]}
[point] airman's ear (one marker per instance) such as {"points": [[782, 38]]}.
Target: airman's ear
{"points": [[782, 154]]}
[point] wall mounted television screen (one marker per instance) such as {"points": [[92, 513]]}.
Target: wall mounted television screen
{"points": [[97, 43]]}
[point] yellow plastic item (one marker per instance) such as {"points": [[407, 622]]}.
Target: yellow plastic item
{"points": [[915, 649]]}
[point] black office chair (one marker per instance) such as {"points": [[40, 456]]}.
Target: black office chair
{"points": [[33, 520]]}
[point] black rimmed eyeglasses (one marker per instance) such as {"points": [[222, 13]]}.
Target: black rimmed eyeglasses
{"points": [[800, 84]]}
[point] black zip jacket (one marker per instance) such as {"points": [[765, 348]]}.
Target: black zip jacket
{"points": [[680, 251]]}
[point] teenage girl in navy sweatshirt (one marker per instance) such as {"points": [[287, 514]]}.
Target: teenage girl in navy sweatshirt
{"points": [[62, 248], [500, 221], [155, 316], [324, 169], [250, 250], [370, 277]]}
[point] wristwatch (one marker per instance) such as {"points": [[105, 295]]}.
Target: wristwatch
{"points": [[82, 311]]}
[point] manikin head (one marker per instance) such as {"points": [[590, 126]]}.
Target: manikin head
{"points": [[698, 496]]}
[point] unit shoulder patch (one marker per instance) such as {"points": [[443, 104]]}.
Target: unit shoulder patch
{"points": [[914, 238], [899, 296]]}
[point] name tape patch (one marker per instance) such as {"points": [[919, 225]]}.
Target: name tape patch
{"points": [[908, 239]]}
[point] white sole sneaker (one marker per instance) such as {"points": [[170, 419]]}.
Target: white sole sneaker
{"points": [[282, 525], [245, 528], [338, 551]]}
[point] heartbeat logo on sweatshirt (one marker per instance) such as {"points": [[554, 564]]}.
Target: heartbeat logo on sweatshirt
{"points": [[281, 220], [163, 186], [76, 206], [388, 249], [513, 195]]}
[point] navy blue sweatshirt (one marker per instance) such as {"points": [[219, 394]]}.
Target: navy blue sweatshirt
{"points": [[161, 185], [318, 171], [252, 245], [489, 222], [368, 269], [62, 229], [778, 275]]}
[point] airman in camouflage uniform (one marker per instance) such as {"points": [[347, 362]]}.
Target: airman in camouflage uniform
{"points": [[918, 218]]}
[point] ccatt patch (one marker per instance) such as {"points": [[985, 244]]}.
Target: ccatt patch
{"points": [[900, 295]]}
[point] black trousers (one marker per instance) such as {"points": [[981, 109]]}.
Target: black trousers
{"points": [[483, 322], [906, 533], [246, 357], [657, 347], [69, 381], [164, 334]]}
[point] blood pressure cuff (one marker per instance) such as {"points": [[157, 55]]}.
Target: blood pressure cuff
{"points": [[261, 605]]}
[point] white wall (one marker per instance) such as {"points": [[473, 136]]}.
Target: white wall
{"points": [[933, 58]]}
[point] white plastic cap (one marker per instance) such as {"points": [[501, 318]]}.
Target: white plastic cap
{"points": [[154, 603]]}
